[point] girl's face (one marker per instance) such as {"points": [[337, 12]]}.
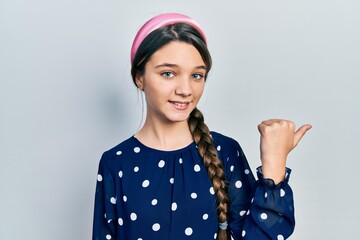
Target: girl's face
{"points": [[173, 82]]}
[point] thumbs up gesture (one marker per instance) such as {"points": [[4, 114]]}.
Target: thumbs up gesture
{"points": [[277, 138]]}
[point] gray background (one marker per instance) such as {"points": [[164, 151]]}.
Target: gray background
{"points": [[66, 96]]}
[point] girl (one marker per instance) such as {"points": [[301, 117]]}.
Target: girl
{"points": [[174, 179]]}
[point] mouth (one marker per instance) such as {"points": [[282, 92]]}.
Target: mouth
{"points": [[180, 105]]}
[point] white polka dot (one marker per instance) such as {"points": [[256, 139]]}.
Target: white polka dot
{"points": [[218, 148], [265, 195], [173, 206], [161, 164], [280, 237], [108, 236], [171, 180], [154, 202], [120, 221], [242, 213], [145, 183], [263, 216], [193, 195], [136, 149], [136, 169], [252, 200], [215, 235], [133, 216], [212, 191], [188, 231], [231, 168], [113, 200], [118, 153], [237, 153], [243, 233], [180, 161], [156, 227], [282, 192], [205, 216], [139, 239], [99, 178], [197, 168], [247, 171], [248, 212], [124, 198], [120, 174], [238, 184], [109, 221]]}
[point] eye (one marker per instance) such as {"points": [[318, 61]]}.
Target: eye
{"points": [[167, 74], [197, 76]]}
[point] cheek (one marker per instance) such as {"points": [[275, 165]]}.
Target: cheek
{"points": [[156, 92], [199, 90]]}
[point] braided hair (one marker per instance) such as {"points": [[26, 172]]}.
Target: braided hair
{"points": [[213, 165]]}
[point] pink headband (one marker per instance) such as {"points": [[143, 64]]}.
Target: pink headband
{"points": [[161, 21]]}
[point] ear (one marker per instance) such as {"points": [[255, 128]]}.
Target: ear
{"points": [[139, 80]]}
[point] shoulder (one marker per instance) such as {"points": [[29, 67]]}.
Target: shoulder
{"points": [[121, 148], [222, 141], [226, 146], [118, 152]]}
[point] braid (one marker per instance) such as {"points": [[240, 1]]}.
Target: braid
{"points": [[213, 165]]}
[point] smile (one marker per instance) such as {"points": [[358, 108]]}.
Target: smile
{"points": [[180, 105]]}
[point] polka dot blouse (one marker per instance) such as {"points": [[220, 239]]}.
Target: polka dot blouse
{"points": [[148, 194]]}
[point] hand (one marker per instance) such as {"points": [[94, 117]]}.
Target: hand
{"points": [[278, 138]]}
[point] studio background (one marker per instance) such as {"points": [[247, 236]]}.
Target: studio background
{"points": [[66, 96]]}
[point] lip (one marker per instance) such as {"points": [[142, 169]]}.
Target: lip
{"points": [[180, 105]]}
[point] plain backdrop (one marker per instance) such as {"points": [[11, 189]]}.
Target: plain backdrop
{"points": [[66, 96]]}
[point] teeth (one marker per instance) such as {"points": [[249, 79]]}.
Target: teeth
{"points": [[180, 104]]}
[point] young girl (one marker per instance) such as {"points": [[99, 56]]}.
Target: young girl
{"points": [[174, 179]]}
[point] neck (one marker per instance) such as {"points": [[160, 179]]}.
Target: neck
{"points": [[165, 136]]}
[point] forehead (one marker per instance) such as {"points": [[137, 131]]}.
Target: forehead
{"points": [[179, 53]]}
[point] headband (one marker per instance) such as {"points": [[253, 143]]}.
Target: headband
{"points": [[161, 21]]}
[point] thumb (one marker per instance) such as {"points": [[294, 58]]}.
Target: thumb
{"points": [[300, 133]]}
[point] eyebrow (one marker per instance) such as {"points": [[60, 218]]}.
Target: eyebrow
{"points": [[171, 65]]}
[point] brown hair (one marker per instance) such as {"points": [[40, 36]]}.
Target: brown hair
{"points": [[198, 128], [207, 151]]}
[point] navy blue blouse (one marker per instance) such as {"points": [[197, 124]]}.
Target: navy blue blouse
{"points": [[148, 194]]}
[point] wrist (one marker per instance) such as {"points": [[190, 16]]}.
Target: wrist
{"points": [[274, 172]]}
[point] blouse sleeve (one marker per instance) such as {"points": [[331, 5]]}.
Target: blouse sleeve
{"points": [[104, 224], [259, 209]]}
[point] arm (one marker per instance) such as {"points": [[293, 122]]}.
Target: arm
{"points": [[269, 212], [259, 209], [104, 225]]}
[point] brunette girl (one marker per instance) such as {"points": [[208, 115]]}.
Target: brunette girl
{"points": [[175, 179]]}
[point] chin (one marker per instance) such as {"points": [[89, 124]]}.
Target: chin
{"points": [[178, 118]]}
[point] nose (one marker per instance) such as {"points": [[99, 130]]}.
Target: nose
{"points": [[183, 87]]}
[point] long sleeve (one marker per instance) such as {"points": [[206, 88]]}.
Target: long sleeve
{"points": [[271, 214], [259, 209], [104, 225]]}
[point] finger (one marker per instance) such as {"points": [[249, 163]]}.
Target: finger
{"points": [[282, 122], [300, 133], [275, 122], [269, 122], [261, 127]]}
